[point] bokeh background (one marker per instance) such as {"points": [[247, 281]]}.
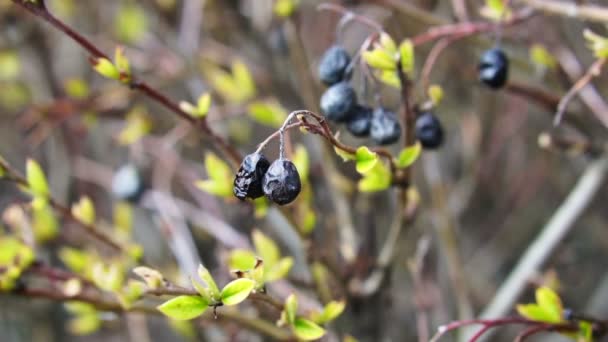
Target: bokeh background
{"points": [[485, 195]]}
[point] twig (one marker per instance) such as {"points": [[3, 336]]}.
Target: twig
{"points": [[570, 9], [593, 71], [38, 9], [552, 234]]}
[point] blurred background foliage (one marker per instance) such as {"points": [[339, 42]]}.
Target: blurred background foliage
{"points": [[491, 188]]}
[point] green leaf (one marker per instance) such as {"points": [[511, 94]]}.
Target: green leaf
{"points": [[84, 210], [84, 325], [205, 276], [598, 44], [379, 59], [130, 23], [365, 160], [495, 10], [76, 260], [153, 278], [241, 259], [389, 77], [203, 104], [122, 64], [302, 162], [387, 43], [44, 223], [184, 307], [236, 291], [10, 65], [377, 179], [109, 277], [243, 79], [77, 88], [137, 126], [36, 179], [291, 308], [435, 94], [220, 177], [533, 312], [406, 53], [541, 57], [266, 248], [258, 274], [285, 8], [105, 68], [268, 112], [307, 330], [344, 155], [279, 270], [408, 156], [550, 302], [330, 312]]}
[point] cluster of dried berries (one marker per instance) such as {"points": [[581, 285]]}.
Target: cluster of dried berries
{"points": [[279, 181], [339, 102]]}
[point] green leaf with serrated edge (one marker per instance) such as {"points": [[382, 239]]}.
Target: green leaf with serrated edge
{"points": [[203, 105], [307, 330], [330, 312], [551, 304], [291, 308], [205, 276], [266, 248], [344, 155], [36, 179], [84, 210], [377, 179], [408, 155], [184, 307], [106, 68], [243, 79], [406, 53], [267, 112], [279, 270], [302, 162], [241, 259], [379, 59], [365, 159], [236, 291]]}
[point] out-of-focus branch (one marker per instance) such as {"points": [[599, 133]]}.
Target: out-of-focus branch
{"points": [[549, 239], [570, 9]]}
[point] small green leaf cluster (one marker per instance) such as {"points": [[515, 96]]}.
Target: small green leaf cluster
{"points": [[187, 307], [220, 175], [308, 329], [386, 57], [44, 223], [201, 108], [118, 70], [236, 86], [269, 267], [598, 44], [376, 174], [85, 318], [15, 257]]}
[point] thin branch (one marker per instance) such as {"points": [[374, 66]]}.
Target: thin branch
{"points": [[570, 9], [39, 10], [549, 239]]}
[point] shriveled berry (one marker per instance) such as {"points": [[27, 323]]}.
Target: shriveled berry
{"points": [[385, 127], [127, 183], [494, 68], [359, 121], [429, 131], [337, 101], [333, 65], [282, 182], [248, 180]]}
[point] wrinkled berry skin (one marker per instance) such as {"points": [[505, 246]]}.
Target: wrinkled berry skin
{"points": [[429, 131], [385, 127], [333, 65], [494, 68], [337, 101], [248, 180], [127, 183], [282, 182], [359, 121]]}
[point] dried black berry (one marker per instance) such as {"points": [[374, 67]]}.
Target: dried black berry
{"points": [[248, 180], [337, 101], [127, 183], [333, 65], [494, 68], [385, 127], [282, 182], [429, 131], [359, 121]]}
